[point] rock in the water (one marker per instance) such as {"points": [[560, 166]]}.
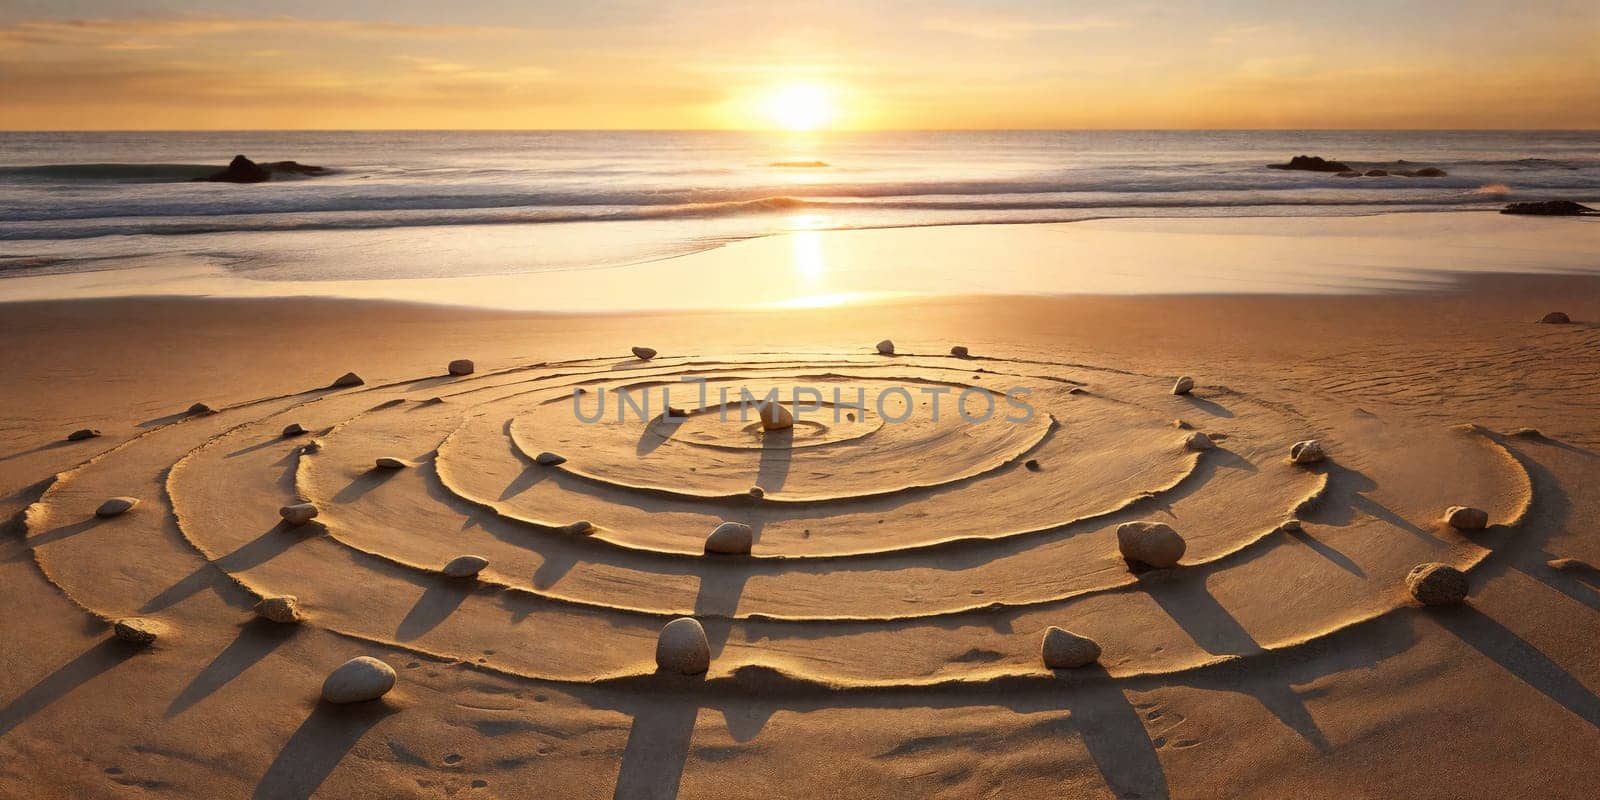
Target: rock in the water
{"points": [[582, 527], [1154, 544], [1199, 441], [775, 416], [390, 462], [1313, 164], [283, 609], [464, 566], [682, 647], [885, 348], [1307, 452], [1549, 208], [298, 514], [201, 408], [348, 379], [240, 170], [81, 434], [730, 538], [115, 506], [294, 429], [462, 366], [243, 170], [1063, 649], [1435, 584], [138, 630], [1184, 385], [644, 353], [959, 351], [549, 459], [1377, 173], [1555, 318], [358, 680], [1467, 518]]}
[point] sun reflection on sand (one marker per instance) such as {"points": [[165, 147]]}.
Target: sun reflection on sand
{"points": [[809, 261]]}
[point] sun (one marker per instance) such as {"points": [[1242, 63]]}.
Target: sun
{"points": [[800, 106]]}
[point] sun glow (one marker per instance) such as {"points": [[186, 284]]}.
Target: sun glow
{"points": [[800, 106]]}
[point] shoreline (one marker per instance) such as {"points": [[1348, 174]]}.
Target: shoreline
{"points": [[1326, 255]]}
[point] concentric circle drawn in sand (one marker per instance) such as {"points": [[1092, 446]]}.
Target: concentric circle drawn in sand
{"points": [[925, 553]]}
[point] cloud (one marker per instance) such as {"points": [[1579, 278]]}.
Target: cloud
{"points": [[1003, 28], [136, 33]]}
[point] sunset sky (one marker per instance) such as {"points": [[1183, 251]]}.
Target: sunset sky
{"points": [[333, 64]]}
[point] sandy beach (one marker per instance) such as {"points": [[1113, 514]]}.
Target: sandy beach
{"points": [[882, 636]]}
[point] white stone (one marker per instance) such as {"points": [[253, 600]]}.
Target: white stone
{"points": [[1435, 584], [1153, 543], [775, 416], [1307, 452], [115, 506], [283, 609], [682, 647], [464, 566], [1184, 385], [1063, 649], [730, 538], [1467, 518], [138, 630], [462, 366], [358, 680], [298, 514]]}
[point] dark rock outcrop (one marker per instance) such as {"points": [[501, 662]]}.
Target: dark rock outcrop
{"points": [[1313, 164], [243, 170], [1425, 172], [1549, 208], [1377, 173]]}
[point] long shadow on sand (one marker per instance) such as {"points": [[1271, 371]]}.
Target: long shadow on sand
{"points": [[269, 545], [659, 741], [436, 604], [256, 640], [92, 663], [1521, 659], [658, 747], [316, 748], [1214, 629]]}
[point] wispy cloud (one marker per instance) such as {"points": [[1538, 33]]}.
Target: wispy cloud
{"points": [[1005, 27], [137, 33]]}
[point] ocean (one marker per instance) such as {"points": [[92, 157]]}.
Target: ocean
{"points": [[576, 200]]}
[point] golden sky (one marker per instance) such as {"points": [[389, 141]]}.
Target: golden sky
{"points": [[336, 64]]}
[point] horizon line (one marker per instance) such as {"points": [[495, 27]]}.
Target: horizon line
{"points": [[798, 134]]}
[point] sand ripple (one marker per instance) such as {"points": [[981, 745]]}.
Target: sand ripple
{"points": [[886, 554]]}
